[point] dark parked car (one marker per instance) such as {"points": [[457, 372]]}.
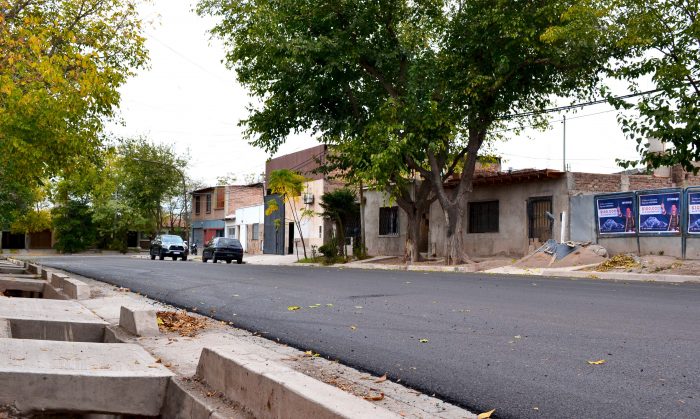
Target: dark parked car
{"points": [[169, 245], [223, 248]]}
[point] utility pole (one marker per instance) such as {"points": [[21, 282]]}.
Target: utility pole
{"points": [[564, 151]]}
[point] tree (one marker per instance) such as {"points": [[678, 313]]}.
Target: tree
{"points": [[423, 84], [341, 207], [661, 41], [149, 175], [289, 185], [74, 228], [61, 65]]}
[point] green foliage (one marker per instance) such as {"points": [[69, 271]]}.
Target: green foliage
{"points": [[73, 226], [32, 221], [288, 184], [61, 65], [661, 44], [340, 206]]}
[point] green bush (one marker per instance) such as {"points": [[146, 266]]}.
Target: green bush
{"points": [[74, 228]]}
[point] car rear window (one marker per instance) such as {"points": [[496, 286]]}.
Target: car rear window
{"points": [[224, 241]]}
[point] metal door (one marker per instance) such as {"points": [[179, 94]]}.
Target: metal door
{"points": [[540, 224]]}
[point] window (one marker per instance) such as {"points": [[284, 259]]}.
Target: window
{"points": [[388, 221], [320, 232], [208, 203], [197, 204], [220, 197], [256, 231], [483, 217], [232, 232]]}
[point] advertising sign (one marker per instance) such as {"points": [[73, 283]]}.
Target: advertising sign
{"points": [[660, 213], [694, 212], [616, 215]]}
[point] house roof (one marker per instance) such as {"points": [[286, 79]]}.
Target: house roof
{"points": [[510, 177]]}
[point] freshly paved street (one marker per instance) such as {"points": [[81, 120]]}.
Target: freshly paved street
{"points": [[517, 344]]}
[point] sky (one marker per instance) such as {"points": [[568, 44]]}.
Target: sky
{"points": [[188, 98]]}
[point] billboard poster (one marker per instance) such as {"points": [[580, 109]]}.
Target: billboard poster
{"points": [[694, 212], [660, 213], [616, 215]]}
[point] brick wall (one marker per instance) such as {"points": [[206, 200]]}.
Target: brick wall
{"points": [[241, 196], [641, 182], [596, 183]]}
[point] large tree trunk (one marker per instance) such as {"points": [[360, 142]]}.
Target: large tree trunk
{"points": [[415, 206], [454, 240]]}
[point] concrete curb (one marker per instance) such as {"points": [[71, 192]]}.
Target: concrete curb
{"points": [[272, 390], [625, 276]]}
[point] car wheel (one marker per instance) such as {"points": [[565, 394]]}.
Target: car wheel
{"points": [[214, 260], [228, 260], [184, 257], [204, 259], [153, 257], [239, 261], [174, 257], [161, 257]]}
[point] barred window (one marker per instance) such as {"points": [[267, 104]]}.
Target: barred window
{"points": [[483, 217], [256, 231], [208, 203], [197, 204], [388, 221]]}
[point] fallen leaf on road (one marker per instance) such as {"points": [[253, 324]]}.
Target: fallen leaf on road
{"points": [[423, 340], [375, 397], [358, 306], [518, 337], [311, 354], [380, 379], [598, 362], [159, 321], [329, 305], [292, 308], [315, 306], [486, 415], [353, 327]]}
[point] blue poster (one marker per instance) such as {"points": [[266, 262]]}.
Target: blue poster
{"points": [[660, 213], [694, 212], [616, 215]]}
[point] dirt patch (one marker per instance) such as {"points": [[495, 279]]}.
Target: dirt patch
{"points": [[579, 257], [618, 263], [180, 322]]}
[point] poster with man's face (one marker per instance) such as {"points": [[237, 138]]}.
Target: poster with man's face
{"points": [[616, 215], [660, 213], [694, 212]]}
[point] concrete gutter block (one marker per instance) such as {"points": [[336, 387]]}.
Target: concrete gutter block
{"points": [[138, 322], [56, 279], [75, 289], [34, 268], [5, 329], [81, 377], [272, 390]]}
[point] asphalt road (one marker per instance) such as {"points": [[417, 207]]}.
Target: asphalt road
{"points": [[517, 344]]}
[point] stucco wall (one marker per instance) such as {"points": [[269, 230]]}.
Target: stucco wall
{"points": [[512, 236], [382, 245]]}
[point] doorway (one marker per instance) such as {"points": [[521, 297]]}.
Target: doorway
{"points": [[540, 224], [290, 247]]}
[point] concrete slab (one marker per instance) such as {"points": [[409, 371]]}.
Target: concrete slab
{"points": [[81, 377], [12, 270], [21, 284], [272, 390], [51, 320], [109, 308]]}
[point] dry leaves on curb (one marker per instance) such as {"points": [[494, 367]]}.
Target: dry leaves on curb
{"points": [[180, 322], [374, 397], [380, 379], [598, 362], [486, 415]]}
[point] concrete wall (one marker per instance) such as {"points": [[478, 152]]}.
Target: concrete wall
{"points": [[316, 230], [245, 219], [382, 245]]}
